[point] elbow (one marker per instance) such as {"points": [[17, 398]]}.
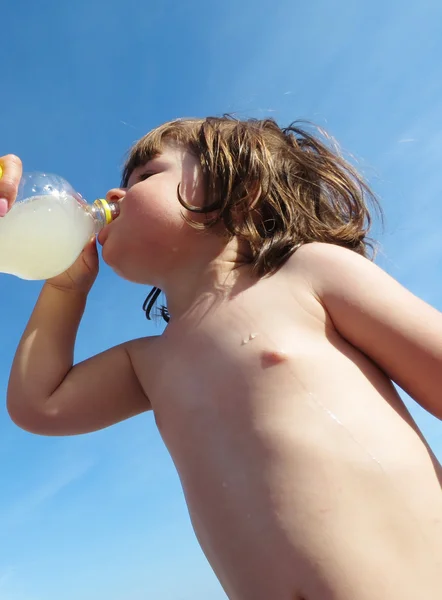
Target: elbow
{"points": [[436, 411], [23, 419], [32, 420], [430, 402]]}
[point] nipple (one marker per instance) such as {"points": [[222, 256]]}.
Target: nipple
{"points": [[271, 358]]}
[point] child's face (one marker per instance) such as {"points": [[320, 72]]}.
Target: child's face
{"points": [[150, 238]]}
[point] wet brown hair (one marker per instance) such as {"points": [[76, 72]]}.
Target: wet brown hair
{"points": [[274, 188]]}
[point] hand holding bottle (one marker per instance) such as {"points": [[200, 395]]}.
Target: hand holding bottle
{"points": [[10, 174], [48, 227], [81, 276]]}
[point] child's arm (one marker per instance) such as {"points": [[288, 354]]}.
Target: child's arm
{"points": [[398, 331], [50, 396]]}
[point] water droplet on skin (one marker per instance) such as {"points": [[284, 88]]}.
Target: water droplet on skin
{"points": [[340, 424], [251, 337]]}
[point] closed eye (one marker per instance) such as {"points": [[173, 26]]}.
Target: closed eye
{"points": [[144, 176]]}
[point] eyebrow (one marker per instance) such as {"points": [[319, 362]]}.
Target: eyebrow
{"points": [[152, 162], [140, 168], [149, 161]]}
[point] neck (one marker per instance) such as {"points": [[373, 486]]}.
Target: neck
{"points": [[194, 291]]}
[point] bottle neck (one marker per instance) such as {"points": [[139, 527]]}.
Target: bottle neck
{"points": [[109, 210], [102, 212]]}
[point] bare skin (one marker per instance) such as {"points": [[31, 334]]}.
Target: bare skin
{"points": [[10, 174], [304, 474]]}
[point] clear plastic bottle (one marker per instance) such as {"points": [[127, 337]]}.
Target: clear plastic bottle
{"points": [[48, 226]]}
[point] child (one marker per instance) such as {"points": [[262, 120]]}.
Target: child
{"points": [[304, 474]]}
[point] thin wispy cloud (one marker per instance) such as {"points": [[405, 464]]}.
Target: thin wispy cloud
{"points": [[6, 575], [11, 587], [22, 508]]}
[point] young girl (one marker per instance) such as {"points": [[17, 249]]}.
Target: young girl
{"points": [[304, 474]]}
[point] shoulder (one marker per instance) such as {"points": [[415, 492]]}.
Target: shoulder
{"points": [[144, 353], [143, 346], [398, 331], [327, 266], [318, 254], [147, 356], [341, 279]]}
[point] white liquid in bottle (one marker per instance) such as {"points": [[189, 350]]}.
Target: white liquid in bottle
{"points": [[42, 237]]}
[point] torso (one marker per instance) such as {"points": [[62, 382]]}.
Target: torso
{"points": [[304, 474]]}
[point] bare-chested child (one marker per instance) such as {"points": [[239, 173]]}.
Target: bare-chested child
{"points": [[305, 476]]}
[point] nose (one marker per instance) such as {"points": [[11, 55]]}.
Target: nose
{"points": [[115, 194]]}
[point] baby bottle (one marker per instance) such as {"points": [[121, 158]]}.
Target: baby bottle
{"points": [[48, 226]]}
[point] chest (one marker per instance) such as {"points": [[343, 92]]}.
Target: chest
{"points": [[229, 386]]}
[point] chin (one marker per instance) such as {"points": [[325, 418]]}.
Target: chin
{"points": [[111, 256], [126, 268], [122, 274], [130, 274]]}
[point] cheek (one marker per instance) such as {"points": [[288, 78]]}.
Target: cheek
{"points": [[148, 208], [149, 225], [131, 238], [157, 219]]}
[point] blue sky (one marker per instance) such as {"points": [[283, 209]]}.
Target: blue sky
{"points": [[103, 516]]}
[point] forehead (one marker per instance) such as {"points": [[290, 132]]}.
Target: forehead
{"points": [[182, 132]]}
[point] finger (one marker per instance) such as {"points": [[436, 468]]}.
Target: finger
{"points": [[90, 250], [91, 246], [90, 257], [11, 169]]}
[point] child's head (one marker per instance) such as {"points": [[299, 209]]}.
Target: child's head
{"points": [[272, 188]]}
